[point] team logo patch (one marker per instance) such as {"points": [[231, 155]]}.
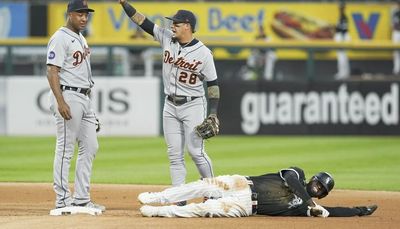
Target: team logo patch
{"points": [[296, 201], [52, 55]]}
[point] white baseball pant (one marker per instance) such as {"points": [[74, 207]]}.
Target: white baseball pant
{"points": [[229, 196]]}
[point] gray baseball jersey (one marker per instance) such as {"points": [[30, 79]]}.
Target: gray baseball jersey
{"points": [[71, 53], [184, 68]]}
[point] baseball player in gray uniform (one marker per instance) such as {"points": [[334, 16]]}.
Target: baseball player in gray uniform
{"points": [[187, 65], [70, 80]]}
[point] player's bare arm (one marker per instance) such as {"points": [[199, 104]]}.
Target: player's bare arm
{"points": [[54, 82], [132, 13], [213, 97]]}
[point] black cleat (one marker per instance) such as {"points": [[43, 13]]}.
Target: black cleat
{"points": [[181, 203], [367, 210]]}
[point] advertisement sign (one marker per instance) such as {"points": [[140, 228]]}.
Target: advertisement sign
{"points": [[14, 20], [240, 21], [310, 108], [125, 106]]}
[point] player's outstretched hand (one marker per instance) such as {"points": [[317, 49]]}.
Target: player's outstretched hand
{"points": [[366, 210], [317, 211], [122, 1]]}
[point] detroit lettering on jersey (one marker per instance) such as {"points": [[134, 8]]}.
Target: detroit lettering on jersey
{"points": [[185, 68], [181, 62]]}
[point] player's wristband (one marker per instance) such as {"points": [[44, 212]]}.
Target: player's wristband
{"points": [[213, 105], [129, 10]]}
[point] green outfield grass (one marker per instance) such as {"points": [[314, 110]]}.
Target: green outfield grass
{"points": [[367, 163]]}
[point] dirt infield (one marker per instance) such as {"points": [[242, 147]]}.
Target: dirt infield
{"points": [[27, 206]]}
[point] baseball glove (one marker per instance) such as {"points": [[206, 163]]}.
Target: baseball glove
{"points": [[98, 125], [208, 128]]}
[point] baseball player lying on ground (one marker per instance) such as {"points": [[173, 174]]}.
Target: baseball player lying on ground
{"points": [[284, 193]]}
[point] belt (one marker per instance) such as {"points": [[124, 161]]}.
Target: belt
{"points": [[180, 100], [85, 91], [254, 196]]}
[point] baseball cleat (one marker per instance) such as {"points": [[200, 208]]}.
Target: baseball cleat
{"points": [[366, 210], [90, 204], [181, 203], [149, 211], [371, 209], [149, 198]]}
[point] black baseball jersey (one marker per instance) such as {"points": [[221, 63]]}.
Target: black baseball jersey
{"points": [[284, 194], [275, 197], [342, 25]]}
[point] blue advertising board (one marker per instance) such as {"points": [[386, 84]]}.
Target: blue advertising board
{"points": [[14, 20]]}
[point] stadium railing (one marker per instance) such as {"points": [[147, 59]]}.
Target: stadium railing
{"points": [[110, 49]]}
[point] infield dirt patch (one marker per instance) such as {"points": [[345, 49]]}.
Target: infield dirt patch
{"points": [[24, 205]]}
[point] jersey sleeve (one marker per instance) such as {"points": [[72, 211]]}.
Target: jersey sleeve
{"points": [[162, 35], [293, 180], [56, 52], [299, 173], [342, 211], [209, 70]]}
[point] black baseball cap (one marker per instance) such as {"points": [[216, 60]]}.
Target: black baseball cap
{"points": [[78, 5], [184, 16]]}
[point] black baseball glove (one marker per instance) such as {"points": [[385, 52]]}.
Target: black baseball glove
{"points": [[366, 210], [208, 128], [97, 125]]}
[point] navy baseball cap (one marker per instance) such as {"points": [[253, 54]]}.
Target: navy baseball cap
{"points": [[78, 5], [184, 16]]}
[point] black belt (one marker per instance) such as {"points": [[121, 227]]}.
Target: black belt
{"points": [[180, 100], [254, 196], [85, 91]]}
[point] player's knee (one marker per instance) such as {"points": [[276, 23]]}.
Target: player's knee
{"points": [[94, 146], [175, 157], [199, 159], [91, 147], [176, 161]]}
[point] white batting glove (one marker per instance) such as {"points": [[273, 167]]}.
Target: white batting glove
{"points": [[318, 211]]}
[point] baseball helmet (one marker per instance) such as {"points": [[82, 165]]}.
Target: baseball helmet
{"points": [[326, 180]]}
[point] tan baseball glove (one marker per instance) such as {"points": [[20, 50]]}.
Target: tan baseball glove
{"points": [[208, 128]]}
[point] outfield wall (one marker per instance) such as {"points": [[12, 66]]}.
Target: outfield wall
{"points": [[252, 108], [125, 106], [132, 107]]}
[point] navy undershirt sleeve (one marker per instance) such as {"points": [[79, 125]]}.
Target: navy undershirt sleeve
{"points": [[148, 26]]}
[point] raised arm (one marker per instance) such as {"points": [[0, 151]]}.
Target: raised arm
{"points": [[137, 17]]}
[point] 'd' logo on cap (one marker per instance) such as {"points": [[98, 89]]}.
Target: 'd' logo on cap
{"points": [[84, 2]]}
